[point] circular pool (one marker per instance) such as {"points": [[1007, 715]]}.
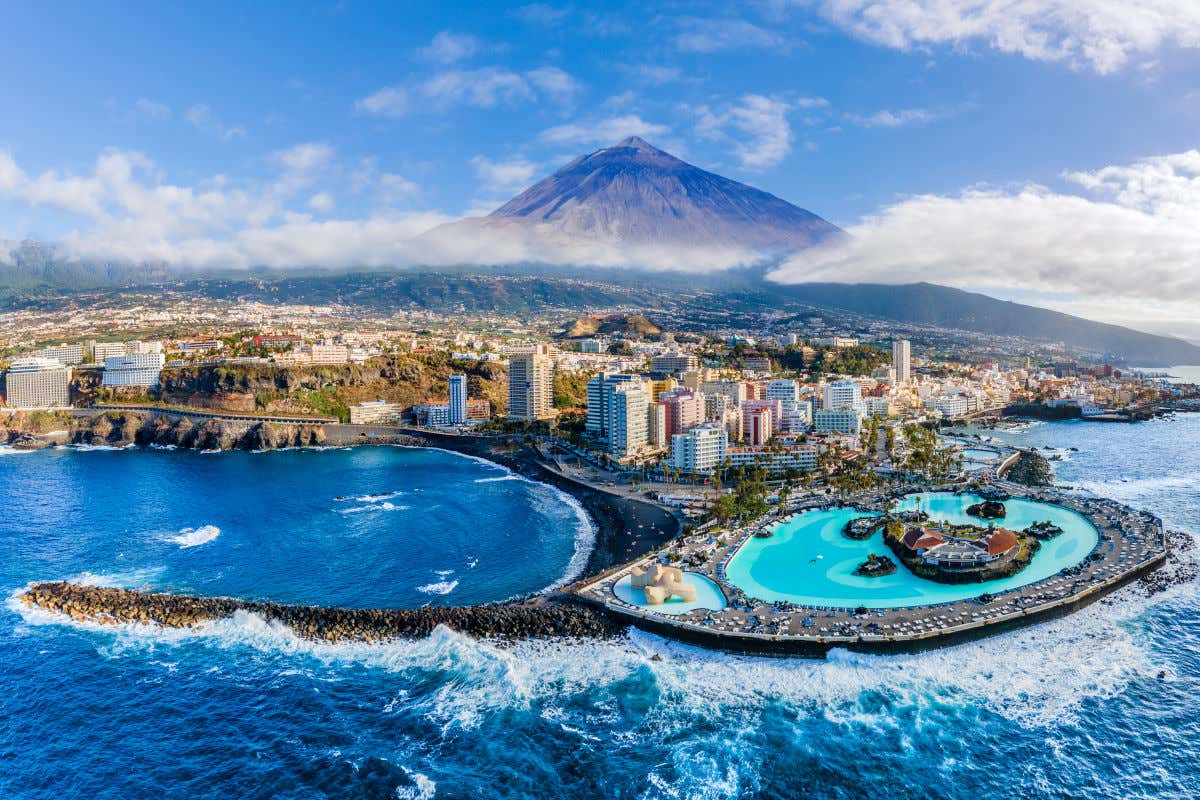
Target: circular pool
{"points": [[810, 562], [708, 595]]}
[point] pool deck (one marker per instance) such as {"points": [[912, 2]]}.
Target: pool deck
{"points": [[1131, 543]]}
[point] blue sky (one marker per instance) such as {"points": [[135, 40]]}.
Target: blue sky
{"points": [[241, 122]]}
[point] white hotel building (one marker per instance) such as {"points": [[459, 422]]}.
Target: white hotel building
{"points": [[142, 369], [700, 450], [37, 383]]}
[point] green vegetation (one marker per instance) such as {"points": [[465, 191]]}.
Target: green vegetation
{"points": [[570, 388], [860, 360], [926, 458]]}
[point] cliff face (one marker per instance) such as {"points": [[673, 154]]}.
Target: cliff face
{"points": [[327, 390], [144, 428]]}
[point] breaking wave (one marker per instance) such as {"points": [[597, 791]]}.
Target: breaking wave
{"points": [[194, 537], [439, 587]]}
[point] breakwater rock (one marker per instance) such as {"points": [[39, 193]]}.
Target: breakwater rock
{"points": [[536, 618], [1030, 469], [1182, 566]]}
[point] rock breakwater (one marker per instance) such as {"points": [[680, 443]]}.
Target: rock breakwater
{"points": [[537, 618]]}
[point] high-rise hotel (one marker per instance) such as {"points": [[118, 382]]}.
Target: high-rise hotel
{"points": [[901, 360], [531, 384], [37, 383]]}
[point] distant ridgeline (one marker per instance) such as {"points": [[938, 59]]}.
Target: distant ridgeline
{"points": [[532, 289]]}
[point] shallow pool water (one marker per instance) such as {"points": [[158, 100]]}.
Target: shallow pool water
{"points": [[708, 595], [810, 562]]}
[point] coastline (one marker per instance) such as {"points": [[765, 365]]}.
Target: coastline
{"points": [[626, 529]]}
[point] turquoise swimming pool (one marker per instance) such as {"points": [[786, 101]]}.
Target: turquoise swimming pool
{"points": [[708, 595], [808, 561]]}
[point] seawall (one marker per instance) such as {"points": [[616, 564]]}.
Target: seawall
{"points": [[537, 618]]}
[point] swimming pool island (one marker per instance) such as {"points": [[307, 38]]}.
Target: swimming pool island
{"points": [[793, 582]]}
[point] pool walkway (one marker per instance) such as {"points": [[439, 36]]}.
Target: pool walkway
{"points": [[1131, 543]]}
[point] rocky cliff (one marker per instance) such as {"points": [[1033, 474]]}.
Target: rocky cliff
{"points": [[328, 390], [145, 428]]}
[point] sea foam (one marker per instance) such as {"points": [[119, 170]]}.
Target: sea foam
{"points": [[194, 537]]}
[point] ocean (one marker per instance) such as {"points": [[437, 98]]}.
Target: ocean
{"points": [[1103, 703]]}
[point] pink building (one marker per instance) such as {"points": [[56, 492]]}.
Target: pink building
{"points": [[750, 408], [684, 409]]}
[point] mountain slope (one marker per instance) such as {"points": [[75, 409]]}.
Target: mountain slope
{"points": [[632, 205], [635, 192], [941, 306]]}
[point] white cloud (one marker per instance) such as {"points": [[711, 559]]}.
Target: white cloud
{"points": [[498, 241], [541, 14], [201, 117], [321, 201], [703, 35], [448, 47], [390, 101], [1133, 235], [504, 176], [305, 157], [758, 126], [1101, 35], [394, 185], [894, 119], [151, 109], [603, 131], [654, 74], [553, 81], [132, 215], [487, 87]]}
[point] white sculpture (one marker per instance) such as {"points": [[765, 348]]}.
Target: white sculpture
{"points": [[661, 583]]}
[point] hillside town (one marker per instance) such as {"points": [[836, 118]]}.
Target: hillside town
{"points": [[619, 391]]}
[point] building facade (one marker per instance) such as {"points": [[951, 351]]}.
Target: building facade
{"points": [[684, 409], [837, 420], [38, 383], [376, 412], [902, 360], [142, 369], [699, 451], [531, 384], [69, 355], [802, 457], [842, 395], [458, 398], [629, 420], [674, 362]]}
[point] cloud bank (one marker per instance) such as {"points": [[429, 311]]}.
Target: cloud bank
{"points": [[1098, 35], [1133, 232], [1129, 232]]}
